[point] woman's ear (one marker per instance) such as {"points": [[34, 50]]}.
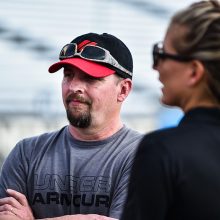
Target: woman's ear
{"points": [[197, 73], [125, 87]]}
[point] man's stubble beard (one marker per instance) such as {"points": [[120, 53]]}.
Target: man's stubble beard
{"points": [[79, 120], [77, 116]]}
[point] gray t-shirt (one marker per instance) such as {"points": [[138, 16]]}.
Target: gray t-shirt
{"points": [[61, 175]]}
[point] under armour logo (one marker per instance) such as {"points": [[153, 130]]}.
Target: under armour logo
{"points": [[84, 43]]}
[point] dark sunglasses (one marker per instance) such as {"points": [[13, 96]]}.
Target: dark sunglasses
{"points": [[93, 53], [159, 53]]}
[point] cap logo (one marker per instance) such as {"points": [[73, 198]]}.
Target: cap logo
{"points": [[84, 43]]}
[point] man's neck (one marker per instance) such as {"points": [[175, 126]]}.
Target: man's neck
{"points": [[95, 133]]}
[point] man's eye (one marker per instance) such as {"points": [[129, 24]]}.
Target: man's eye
{"points": [[89, 78]]}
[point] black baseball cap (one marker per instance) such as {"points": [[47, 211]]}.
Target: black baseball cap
{"points": [[118, 50]]}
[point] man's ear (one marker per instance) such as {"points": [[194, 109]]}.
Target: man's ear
{"points": [[197, 73], [125, 87]]}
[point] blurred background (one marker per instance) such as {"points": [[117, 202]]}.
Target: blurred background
{"points": [[31, 36]]}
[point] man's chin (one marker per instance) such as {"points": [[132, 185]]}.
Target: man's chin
{"points": [[79, 120], [79, 123]]}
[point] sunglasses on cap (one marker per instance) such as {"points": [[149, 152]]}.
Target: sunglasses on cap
{"points": [[159, 53], [93, 53]]}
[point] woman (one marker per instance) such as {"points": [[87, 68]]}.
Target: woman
{"points": [[176, 174]]}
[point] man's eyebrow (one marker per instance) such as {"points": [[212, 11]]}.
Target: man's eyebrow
{"points": [[92, 77]]}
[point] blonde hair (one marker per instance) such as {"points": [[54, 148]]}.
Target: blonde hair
{"points": [[201, 40]]}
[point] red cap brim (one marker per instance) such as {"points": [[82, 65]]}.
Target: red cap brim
{"points": [[89, 67]]}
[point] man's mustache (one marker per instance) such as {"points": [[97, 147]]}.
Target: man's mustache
{"points": [[77, 97]]}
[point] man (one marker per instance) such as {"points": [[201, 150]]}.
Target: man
{"points": [[82, 170]]}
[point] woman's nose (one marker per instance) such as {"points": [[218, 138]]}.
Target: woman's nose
{"points": [[155, 66]]}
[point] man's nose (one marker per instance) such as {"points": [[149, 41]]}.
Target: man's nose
{"points": [[76, 85]]}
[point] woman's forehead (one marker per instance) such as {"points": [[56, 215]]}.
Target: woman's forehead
{"points": [[175, 35]]}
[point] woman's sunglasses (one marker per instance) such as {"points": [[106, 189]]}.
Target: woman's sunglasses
{"points": [[159, 53]]}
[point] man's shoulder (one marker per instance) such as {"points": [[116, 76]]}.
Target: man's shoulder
{"points": [[127, 140], [45, 136], [30, 143], [32, 146], [130, 135]]}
